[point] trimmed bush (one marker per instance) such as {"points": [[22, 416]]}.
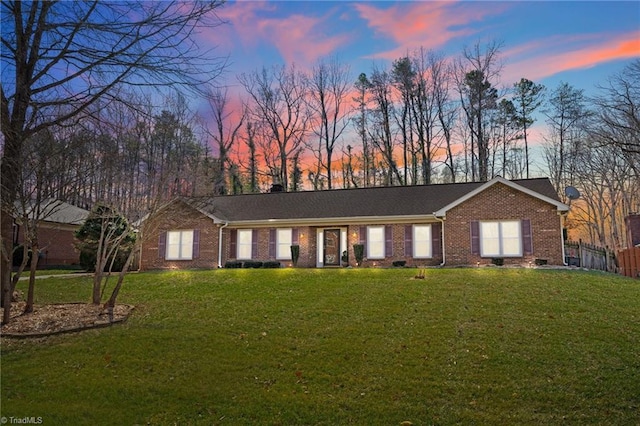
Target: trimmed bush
{"points": [[271, 264], [295, 254], [233, 264], [399, 263], [498, 261], [252, 264], [358, 253]]}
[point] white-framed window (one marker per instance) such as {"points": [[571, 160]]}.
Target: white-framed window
{"points": [[422, 241], [179, 245], [375, 242], [501, 238], [244, 243], [284, 239]]}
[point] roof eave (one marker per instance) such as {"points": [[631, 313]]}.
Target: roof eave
{"points": [[561, 207], [331, 221]]}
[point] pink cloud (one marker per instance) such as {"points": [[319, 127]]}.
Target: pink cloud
{"points": [[299, 39], [427, 24], [537, 60]]}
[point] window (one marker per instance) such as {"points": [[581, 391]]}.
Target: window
{"points": [[375, 242], [422, 241], [283, 243], [179, 245], [501, 239], [245, 240]]}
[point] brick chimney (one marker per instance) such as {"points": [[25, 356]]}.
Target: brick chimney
{"points": [[633, 229]]}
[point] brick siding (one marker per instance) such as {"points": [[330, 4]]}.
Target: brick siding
{"points": [[500, 202], [178, 216]]}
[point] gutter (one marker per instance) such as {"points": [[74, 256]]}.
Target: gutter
{"points": [[442, 240], [220, 243]]}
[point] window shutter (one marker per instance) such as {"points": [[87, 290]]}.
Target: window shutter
{"points": [[436, 239], [475, 237], [196, 244], [388, 241], [408, 240], [254, 244], [363, 235], [527, 237], [272, 243], [162, 245], [233, 244], [294, 237]]}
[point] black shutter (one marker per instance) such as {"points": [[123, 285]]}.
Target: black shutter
{"points": [[294, 237], [272, 243], [408, 240], [162, 245], [436, 240], [233, 244], [196, 244], [527, 237], [388, 241], [475, 237], [363, 236], [254, 244]]}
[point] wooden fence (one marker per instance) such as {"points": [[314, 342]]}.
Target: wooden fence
{"points": [[629, 260], [589, 256]]}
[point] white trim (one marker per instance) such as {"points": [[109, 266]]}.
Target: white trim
{"points": [[443, 211], [331, 222]]}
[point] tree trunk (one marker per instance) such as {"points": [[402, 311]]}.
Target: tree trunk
{"points": [[35, 254]]}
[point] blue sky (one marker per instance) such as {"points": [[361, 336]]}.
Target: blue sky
{"points": [[578, 42]]}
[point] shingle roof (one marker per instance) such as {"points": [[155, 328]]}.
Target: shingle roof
{"points": [[348, 203], [55, 211]]}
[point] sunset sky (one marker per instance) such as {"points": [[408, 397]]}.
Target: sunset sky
{"points": [[578, 42]]}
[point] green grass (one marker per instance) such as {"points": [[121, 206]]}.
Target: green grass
{"points": [[334, 347]]}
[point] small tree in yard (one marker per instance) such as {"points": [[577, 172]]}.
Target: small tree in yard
{"points": [[107, 237]]}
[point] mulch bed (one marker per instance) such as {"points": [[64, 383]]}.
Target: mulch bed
{"points": [[47, 320]]}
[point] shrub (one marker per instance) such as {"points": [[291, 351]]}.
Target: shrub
{"points": [[271, 264], [399, 263], [252, 264], [358, 253], [295, 254], [540, 262], [233, 264], [498, 261], [345, 258]]}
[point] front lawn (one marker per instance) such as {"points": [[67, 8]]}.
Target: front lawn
{"points": [[334, 347]]}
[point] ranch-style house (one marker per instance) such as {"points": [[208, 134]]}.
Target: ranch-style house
{"points": [[513, 221]]}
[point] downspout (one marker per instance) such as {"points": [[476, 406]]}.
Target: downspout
{"points": [[442, 239], [220, 243], [563, 216]]}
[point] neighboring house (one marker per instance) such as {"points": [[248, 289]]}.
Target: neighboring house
{"points": [[444, 224], [56, 228]]}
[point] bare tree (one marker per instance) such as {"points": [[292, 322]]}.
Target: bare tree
{"points": [[381, 134], [328, 88], [278, 104], [566, 118], [227, 125], [475, 72], [528, 96], [617, 120], [70, 55]]}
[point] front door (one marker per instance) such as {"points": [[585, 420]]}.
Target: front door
{"points": [[331, 247]]}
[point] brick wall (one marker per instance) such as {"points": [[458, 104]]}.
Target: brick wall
{"points": [[500, 202], [57, 244], [178, 216]]}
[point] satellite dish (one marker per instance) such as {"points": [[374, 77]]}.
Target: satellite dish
{"points": [[572, 193]]}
